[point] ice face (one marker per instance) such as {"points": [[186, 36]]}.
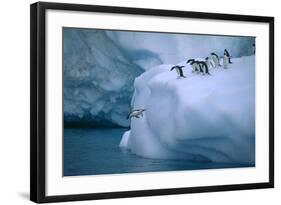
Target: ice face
{"points": [[199, 117], [100, 67], [98, 79]]}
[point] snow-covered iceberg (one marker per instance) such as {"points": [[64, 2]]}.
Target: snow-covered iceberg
{"points": [[199, 117], [100, 67]]}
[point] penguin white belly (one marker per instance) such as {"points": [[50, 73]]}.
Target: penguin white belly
{"points": [[225, 62], [211, 63], [197, 66], [178, 72], [193, 66], [215, 60]]}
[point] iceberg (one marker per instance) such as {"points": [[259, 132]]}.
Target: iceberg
{"points": [[207, 118], [100, 67]]}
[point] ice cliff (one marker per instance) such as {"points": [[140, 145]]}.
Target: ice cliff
{"points": [[209, 118], [98, 79]]}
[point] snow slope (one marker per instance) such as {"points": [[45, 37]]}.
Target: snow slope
{"points": [[209, 118]]}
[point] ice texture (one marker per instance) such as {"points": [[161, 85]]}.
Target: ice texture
{"points": [[207, 118], [98, 79]]}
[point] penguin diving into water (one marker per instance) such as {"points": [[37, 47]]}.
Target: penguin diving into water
{"points": [[179, 71], [137, 113]]}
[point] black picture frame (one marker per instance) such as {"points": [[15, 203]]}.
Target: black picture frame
{"points": [[38, 101]]}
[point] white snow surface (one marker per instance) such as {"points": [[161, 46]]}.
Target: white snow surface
{"points": [[209, 118]]}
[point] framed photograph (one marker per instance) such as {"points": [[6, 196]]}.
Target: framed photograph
{"points": [[129, 102]]}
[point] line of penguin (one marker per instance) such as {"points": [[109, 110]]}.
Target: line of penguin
{"points": [[202, 66], [197, 66]]}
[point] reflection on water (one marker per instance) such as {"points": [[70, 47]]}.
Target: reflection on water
{"points": [[97, 151]]}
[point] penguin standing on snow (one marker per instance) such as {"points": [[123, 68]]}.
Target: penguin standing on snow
{"points": [[194, 65], [228, 55], [179, 71], [210, 62], [216, 59], [225, 61], [137, 113], [204, 67]]}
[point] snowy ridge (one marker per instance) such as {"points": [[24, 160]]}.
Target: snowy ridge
{"points": [[209, 118]]}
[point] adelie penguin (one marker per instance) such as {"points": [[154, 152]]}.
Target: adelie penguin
{"points": [[179, 71], [137, 113], [194, 65], [210, 63], [216, 59], [228, 55], [204, 67], [225, 61]]}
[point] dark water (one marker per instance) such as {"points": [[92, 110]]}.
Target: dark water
{"points": [[97, 151]]}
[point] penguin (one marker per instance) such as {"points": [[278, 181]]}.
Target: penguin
{"points": [[225, 61], [204, 67], [179, 71], [137, 113], [253, 49], [216, 59], [210, 62], [228, 55], [194, 65]]}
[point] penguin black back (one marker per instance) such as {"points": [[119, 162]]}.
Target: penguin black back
{"points": [[176, 66], [203, 65], [179, 70], [191, 61], [226, 53], [215, 55]]}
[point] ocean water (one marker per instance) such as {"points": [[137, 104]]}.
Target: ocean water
{"points": [[97, 151]]}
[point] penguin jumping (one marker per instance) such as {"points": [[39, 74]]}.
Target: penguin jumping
{"points": [[179, 71], [228, 55], [215, 59], [137, 113], [194, 65]]}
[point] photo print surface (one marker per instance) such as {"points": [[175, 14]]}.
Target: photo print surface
{"points": [[148, 102]]}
